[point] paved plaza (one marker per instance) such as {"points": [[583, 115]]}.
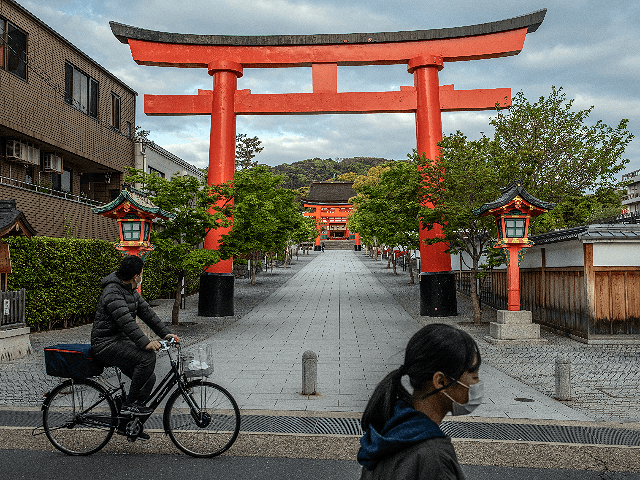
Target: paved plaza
{"points": [[342, 306]]}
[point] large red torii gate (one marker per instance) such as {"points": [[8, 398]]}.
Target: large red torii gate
{"points": [[423, 51]]}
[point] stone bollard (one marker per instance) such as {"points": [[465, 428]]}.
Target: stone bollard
{"points": [[563, 377], [309, 372]]}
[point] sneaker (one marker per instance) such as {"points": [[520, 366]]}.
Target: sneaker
{"points": [[143, 436], [135, 409]]}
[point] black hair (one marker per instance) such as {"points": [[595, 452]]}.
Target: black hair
{"points": [[130, 266], [434, 348]]}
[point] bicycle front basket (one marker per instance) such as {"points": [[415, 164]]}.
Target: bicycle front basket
{"points": [[197, 365], [71, 361]]}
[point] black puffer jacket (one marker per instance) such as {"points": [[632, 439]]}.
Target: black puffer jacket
{"points": [[115, 319]]}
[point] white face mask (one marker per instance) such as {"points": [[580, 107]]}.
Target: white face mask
{"points": [[140, 282], [476, 392]]}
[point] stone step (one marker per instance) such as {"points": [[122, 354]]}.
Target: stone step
{"points": [[339, 244]]}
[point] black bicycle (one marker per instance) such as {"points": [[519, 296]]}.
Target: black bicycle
{"points": [[201, 418]]}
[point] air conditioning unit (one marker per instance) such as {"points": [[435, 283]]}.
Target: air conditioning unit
{"points": [[17, 151], [52, 163], [33, 155]]}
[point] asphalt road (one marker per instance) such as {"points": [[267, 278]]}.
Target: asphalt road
{"points": [[36, 465]]}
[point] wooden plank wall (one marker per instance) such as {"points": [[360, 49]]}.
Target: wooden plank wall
{"points": [[616, 301], [606, 302]]}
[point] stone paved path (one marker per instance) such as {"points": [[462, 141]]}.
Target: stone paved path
{"points": [[333, 307], [337, 308]]}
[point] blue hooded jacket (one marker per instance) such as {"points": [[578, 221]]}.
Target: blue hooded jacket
{"points": [[405, 428]]}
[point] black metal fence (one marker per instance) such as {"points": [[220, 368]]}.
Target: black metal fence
{"points": [[12, 309]]}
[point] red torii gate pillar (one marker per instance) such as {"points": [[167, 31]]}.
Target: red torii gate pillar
{"points": [[217, 282], [437, 283], [423, 51]]}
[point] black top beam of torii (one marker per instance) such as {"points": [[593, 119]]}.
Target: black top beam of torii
{"points": [[531, 21]]}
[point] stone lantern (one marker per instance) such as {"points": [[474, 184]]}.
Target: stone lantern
{"points": [[513, 211], [134, 213]]}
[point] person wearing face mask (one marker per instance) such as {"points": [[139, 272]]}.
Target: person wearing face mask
{"points": [[116, 338], [402, 439]]}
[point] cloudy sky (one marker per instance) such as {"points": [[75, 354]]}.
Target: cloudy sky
{"points": [[591, 48]]}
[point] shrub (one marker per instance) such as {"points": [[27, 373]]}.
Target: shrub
{"points": [[61, 277]]}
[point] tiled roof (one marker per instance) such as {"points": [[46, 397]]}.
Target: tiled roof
{"points": [[137, 198], [603, 231], [10, 215], [510, 192], [330, 192], [618, 232], [530, 21]]}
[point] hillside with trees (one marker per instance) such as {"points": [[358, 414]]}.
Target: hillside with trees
{"points": [[301, 174]]}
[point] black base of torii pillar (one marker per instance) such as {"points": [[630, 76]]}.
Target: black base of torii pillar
{"points": [[216, 295], [438, 294]]}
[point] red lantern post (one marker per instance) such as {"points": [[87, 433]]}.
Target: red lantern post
{"points": [[512, 212], [134, 213]]}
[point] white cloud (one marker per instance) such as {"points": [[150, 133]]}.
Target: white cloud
{"points": [[588, 47], [606, 105]]}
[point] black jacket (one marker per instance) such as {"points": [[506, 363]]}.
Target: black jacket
{"points": [[410, 446], [115, 319], [431, 459]]}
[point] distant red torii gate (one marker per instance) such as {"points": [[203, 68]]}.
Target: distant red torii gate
{"points": [[423, 51]]}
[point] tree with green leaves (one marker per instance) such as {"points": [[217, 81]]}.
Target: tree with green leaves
{"points": [[464, 178], [364, 217], [177, 242], [388, 208], [265, 217], [556, 151], [559, 157], [306, 232], [246, 149]]}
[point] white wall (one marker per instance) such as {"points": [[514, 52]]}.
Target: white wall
{"points": [[564, 254], [163, 161], [561, 254], [619, 254], [467, 263]]}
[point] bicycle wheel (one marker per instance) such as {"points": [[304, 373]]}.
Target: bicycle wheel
{"points": [[78, 417], [203, 423]]}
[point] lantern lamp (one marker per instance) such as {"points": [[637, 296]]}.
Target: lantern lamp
{"points": [[512, 211], [134, 213]]}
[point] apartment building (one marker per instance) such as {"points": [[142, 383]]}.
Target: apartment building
{"points": [[152, 158], [631, 201], [66, 129]]}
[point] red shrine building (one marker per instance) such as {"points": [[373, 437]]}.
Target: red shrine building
{"points": [[328, 203]]}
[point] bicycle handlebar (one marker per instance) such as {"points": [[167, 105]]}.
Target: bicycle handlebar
{"points": [[167, 344]]}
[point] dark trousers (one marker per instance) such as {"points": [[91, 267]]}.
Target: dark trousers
{"points": [[135, 363]]}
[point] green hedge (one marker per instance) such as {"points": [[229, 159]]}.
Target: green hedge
{"points": [[61, 276], [160, 281]]}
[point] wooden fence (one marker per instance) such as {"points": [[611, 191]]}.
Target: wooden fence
{"points": [[12, 309], [583, 302]]}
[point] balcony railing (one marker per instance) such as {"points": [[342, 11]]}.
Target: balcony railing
{"points": [[629, 176], [49, 191], [630, 196]]}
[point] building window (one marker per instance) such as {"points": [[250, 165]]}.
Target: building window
{"points": [[115, 111], [28, 175], [81, 91], [128, 132], [66, 183], [13, 49], [153, 171]]}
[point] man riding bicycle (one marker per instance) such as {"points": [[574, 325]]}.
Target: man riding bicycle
{"points": [[116, 338]]}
